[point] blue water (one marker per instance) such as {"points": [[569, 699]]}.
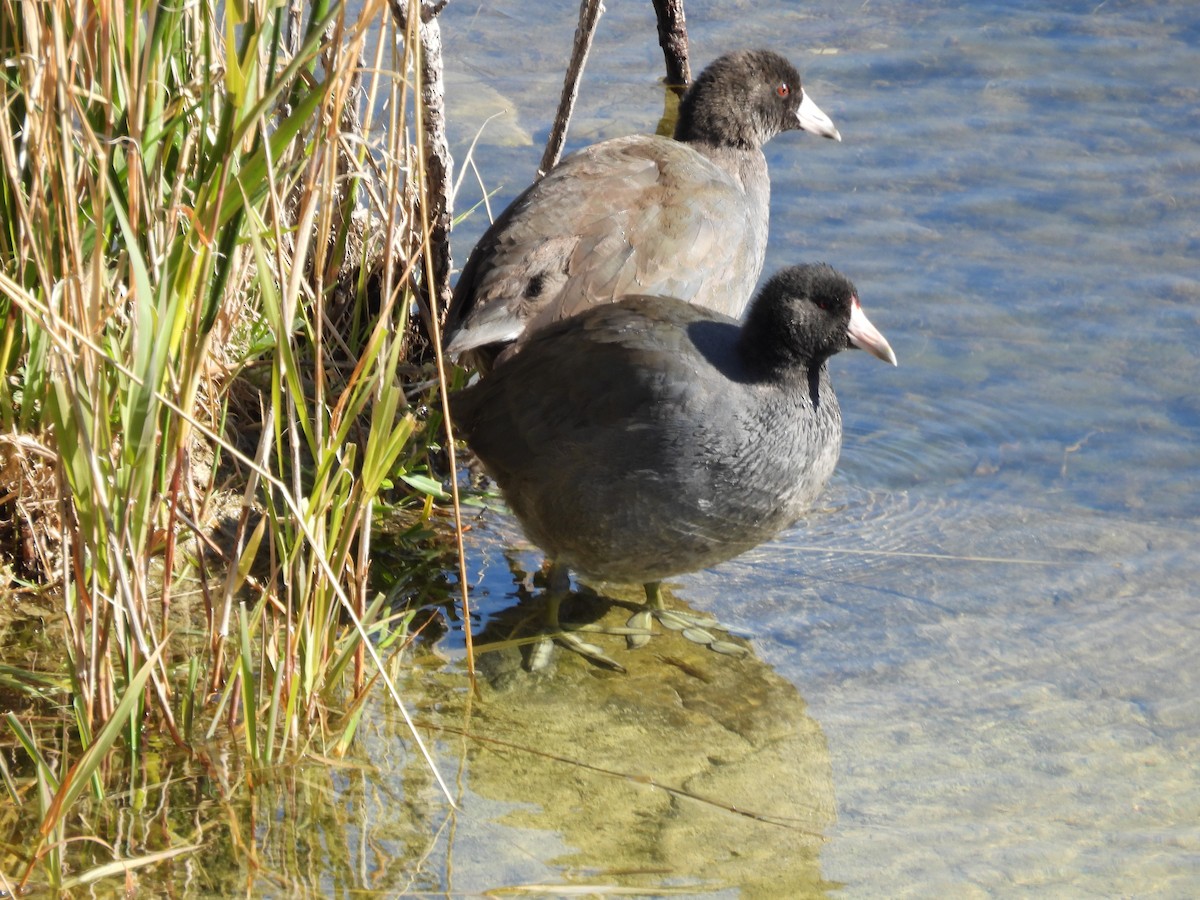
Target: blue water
{"points": [[993, 620]]}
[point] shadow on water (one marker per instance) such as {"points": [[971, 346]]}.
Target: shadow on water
{"points": [[692, 771]]}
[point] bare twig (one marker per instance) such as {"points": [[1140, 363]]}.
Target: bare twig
{"points": [[672, 37], [438, 164], [589, 16]]}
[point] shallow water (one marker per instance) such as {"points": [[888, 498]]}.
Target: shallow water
{"points": [[993, 618]]}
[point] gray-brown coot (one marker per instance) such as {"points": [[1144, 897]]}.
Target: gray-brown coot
{"points": [[649, 437], [644, 214]]}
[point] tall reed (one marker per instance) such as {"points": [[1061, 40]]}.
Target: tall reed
{"points": [[210, 244]]}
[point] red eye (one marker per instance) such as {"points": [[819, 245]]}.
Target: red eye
{"points": [[783, 90]]}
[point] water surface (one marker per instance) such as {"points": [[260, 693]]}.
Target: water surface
{"points": [[992, 621]]}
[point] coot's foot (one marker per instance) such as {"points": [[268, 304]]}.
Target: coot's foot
{"points": [[695, 627], [543, 650], [558, 588]]}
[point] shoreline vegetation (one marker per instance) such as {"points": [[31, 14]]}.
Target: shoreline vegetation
{"points": [[224, 255]]}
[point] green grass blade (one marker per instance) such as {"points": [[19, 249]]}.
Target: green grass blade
{"points": [[88, 765]]}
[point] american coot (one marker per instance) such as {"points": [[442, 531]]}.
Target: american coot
{"points": [[648, 437], [683, 218]]}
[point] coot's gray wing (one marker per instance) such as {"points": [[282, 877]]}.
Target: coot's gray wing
{"points": [[583, 381], [634, 215]]}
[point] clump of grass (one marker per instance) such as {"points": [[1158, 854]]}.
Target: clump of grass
{"points": [[210, 244]]}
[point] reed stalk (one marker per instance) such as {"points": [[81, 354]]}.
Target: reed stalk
{"points": [[210, 242]]}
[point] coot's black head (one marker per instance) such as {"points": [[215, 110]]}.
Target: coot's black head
{"points": [[744, 99], [805, 314]]}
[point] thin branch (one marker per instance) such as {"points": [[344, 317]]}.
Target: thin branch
{"points": [[439, 166], [672, 37], [589, 17]]}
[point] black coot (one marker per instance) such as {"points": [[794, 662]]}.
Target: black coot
{"points": [[683, 218], [648, 437]]}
